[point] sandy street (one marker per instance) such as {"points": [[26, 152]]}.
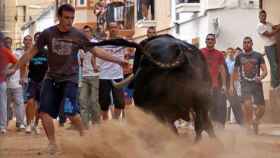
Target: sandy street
{"points": [[142, 136]]}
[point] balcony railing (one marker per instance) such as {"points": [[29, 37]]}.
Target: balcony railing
{"points": [[119, 12], [187, 6]]}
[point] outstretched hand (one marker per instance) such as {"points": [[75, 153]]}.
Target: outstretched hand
{"points": [[10, 70], [124, 63]]}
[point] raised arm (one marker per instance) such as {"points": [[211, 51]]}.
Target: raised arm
{"points": [[101, 53]]}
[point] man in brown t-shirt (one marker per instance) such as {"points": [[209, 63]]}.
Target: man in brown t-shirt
{"points": [[61, 80]]}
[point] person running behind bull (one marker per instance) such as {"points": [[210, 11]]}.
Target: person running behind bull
{"points": [[248, 65], [37, 68], [216, 63]]}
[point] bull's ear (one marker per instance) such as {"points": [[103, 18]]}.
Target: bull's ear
{"points": [[176, 49], [188, 51]]}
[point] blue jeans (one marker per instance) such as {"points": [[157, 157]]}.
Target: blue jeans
{"points": [[3, 105], [271, 52], [16, 95]]}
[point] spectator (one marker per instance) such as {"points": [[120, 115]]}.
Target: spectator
{"points": [[6, 58], [234, 100], [268, 33], [15, 92]]}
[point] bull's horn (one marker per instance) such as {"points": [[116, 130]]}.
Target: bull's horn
{"points": [[124, 82]]}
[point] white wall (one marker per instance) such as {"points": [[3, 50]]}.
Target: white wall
{"points": [[46, 21], [235, 24], [41, 24]]}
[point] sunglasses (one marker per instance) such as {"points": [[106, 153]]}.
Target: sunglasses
{"points": [[210, 39]]}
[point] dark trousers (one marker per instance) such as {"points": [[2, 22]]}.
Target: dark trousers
{"points": [[218, 111], [235, 105]]}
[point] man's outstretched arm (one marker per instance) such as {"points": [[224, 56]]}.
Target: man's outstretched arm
{"points": [[22, 61]]}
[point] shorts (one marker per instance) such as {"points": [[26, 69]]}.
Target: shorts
{"points": [[105, 90], [254, 90], [33, 90], [56, 95]]}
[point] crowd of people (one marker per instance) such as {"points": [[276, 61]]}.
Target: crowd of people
{"points": [[238, 78], [51, 77]]}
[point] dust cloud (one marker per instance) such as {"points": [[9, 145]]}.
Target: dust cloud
{"points": [[142, 136]]}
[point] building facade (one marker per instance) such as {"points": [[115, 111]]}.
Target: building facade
{"points": [[15, 13]]}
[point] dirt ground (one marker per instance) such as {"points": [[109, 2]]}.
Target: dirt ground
{"points": [[141, 136]]}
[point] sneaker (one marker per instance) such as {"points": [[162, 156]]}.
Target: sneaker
{"points": [[3, 131], [52, 149], [28, 129], [20, 127], [255, 127], [36, 129]]}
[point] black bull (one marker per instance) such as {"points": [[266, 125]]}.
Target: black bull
{"points": [[171, 78]]}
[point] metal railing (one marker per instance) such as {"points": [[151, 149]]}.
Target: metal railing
{"points": [[187, 1], [119, 12]]}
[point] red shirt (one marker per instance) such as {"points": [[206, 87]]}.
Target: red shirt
{"points": [[214, 59], [6, 57]]}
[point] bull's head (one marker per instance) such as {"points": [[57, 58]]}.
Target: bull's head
{"points": [[163, 52]]}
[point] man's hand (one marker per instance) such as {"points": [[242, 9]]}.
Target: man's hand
{"points": [[231, 91], [96, 68], [23, 81], [124, 63], [10, 70]]}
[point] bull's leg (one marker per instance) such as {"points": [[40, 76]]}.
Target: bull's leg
{"points": [[208, 125], [198, 125], [202, 122]]}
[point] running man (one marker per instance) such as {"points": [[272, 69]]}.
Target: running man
{"points": [[60, 85], [249, 64], [37, 69]]}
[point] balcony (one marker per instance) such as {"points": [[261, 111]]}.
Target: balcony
{"points": [[187, 6], [146, 23], [145, 14]]}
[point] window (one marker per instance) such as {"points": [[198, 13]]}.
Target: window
{"points": [[81, 3], [177, 27], [122, 13], [187, 1], [177, 16], [145, 9]]}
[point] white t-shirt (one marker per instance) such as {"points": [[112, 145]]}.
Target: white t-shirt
{"points": [[13, 81], [109, 70], [87, 69], [268, 41]]}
